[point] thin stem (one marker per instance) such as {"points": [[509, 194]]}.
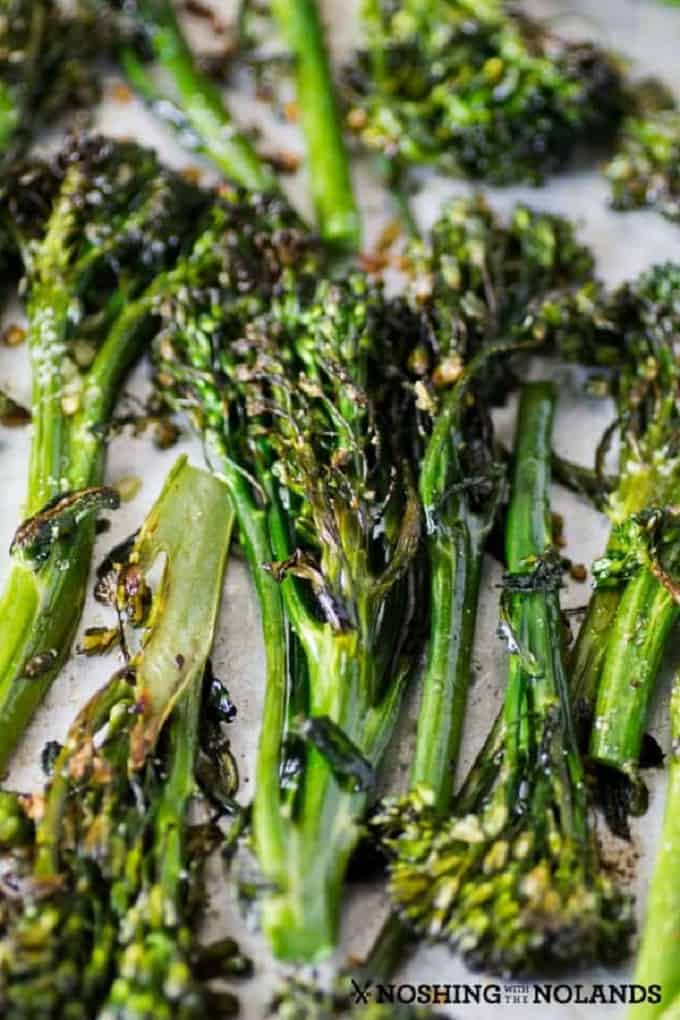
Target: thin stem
{"points": [[657, 956], [455, 577], [268, 827], [200, 100], [40, 609], [329, 170], [638, 636]]}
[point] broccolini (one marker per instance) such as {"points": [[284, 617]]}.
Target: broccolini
{"points": [[478, 90], [115, 219], [104, 923], [149, 32], [512, 880]]}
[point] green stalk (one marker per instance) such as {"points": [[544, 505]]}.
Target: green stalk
{"points": [[301, 920], [255, 539], [329, 169], [657, 962], [200, 101], [454, 590], [589, 652], [637, 640], [40, 608]]}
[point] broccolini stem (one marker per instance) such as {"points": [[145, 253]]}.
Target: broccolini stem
{"points": [[39, 614], [589, 651], [529, 529], [201, 102], [455, 576], [329, 169], [657, 956], [40, 609], [638, 636], [301, 921], [254, 536], [535, 615]]}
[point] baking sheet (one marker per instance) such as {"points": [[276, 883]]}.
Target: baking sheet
{"points": [[649, 34]]}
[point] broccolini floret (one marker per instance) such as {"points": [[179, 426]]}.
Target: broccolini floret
{"points": [[328, 512], [46, 60], [478, 89]]}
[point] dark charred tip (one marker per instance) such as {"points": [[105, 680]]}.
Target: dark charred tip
{"points": [[621, 797], [12, 414], [59, 519], [651, 755]]}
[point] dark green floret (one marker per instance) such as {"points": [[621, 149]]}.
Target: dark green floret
{"points": [[478, 89]]}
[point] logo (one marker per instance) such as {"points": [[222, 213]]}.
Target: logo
{"points": [[494, 994]]}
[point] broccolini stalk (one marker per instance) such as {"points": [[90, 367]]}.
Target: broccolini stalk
{"points": [[355, 522], [103, 925], [289, 423], [199, 113], [473, 280], [477, 90], [461, 487], [641, 561], [329, 170], [662, 921], [512, 880], [43, 68], [116, 219]]}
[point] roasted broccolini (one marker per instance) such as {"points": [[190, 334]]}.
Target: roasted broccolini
{"points": [[105, 922]]}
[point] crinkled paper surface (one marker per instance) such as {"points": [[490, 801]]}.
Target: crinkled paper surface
{"points": [[649, 33]]}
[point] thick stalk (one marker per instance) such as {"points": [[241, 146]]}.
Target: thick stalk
{"points": [[635, 492], [455, 564], [39, 614], [534, 693], [588, 654], [657, 962], [301, 919], [200, 100], [638, 637], [40, 609], [329, 170]]}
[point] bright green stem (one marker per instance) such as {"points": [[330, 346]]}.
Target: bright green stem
{"points": [[40, 610], [200, 100], [301, 917], [529, 535], [657, 962], [254, 535], [533, 692], [329, 169], [455, 564], [638, 637], [588, 654], [529, 527], [635, 492], [38, 617]]}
